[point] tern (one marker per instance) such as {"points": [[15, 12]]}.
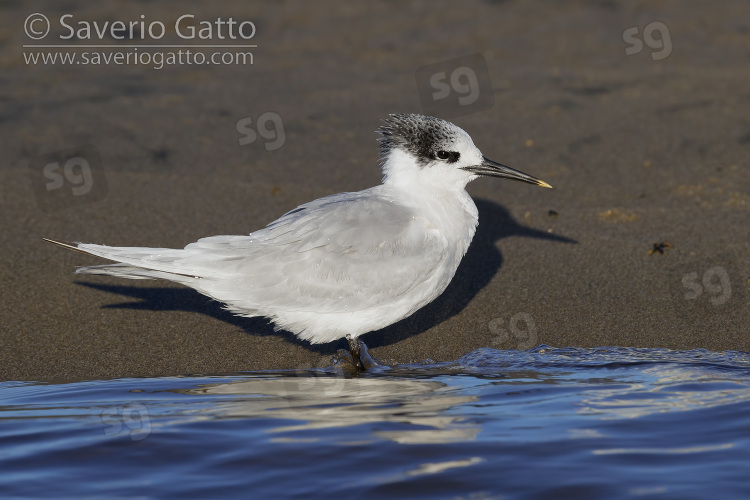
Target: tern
{"points": [[349, 263]]}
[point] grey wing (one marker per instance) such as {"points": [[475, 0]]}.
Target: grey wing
{"points": [[342, 253]]}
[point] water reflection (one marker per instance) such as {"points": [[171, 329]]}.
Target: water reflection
{"points": [[663, 389], [430, 405], [622, 416], [320, 401]]}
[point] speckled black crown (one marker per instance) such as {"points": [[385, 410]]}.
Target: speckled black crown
{"points": [[422, 136]]}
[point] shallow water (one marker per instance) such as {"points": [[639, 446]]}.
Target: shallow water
{"points": [[546, 423]]}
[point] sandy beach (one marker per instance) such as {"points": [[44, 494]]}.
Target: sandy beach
{"points": [[638, 115]]}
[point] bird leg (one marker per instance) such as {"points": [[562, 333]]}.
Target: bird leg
{"points": [[354, 348], [361, 358]]}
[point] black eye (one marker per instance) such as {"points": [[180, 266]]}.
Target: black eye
{"points": [[451, 156]]}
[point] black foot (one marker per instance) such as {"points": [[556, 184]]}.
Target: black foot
{"points": [[358, 355]]}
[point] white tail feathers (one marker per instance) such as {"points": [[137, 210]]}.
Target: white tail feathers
{"points": [[135, 262], [133, 272]]}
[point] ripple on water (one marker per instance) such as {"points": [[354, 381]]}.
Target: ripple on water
{"points": [[573, 422]]}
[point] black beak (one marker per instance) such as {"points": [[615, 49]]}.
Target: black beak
{"points": [[494, 169]]}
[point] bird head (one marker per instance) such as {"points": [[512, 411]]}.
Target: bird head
{"points": [[424, 149]]}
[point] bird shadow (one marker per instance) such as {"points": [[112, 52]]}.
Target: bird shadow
{"points": [[477, 269]]}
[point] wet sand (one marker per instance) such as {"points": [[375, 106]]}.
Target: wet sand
{"points": [[643, 149]]}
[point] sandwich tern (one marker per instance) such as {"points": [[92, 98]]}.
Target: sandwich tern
{"points": [[345, 264]]}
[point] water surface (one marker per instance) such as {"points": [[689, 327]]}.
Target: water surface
{"points": [[546, 423]]}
